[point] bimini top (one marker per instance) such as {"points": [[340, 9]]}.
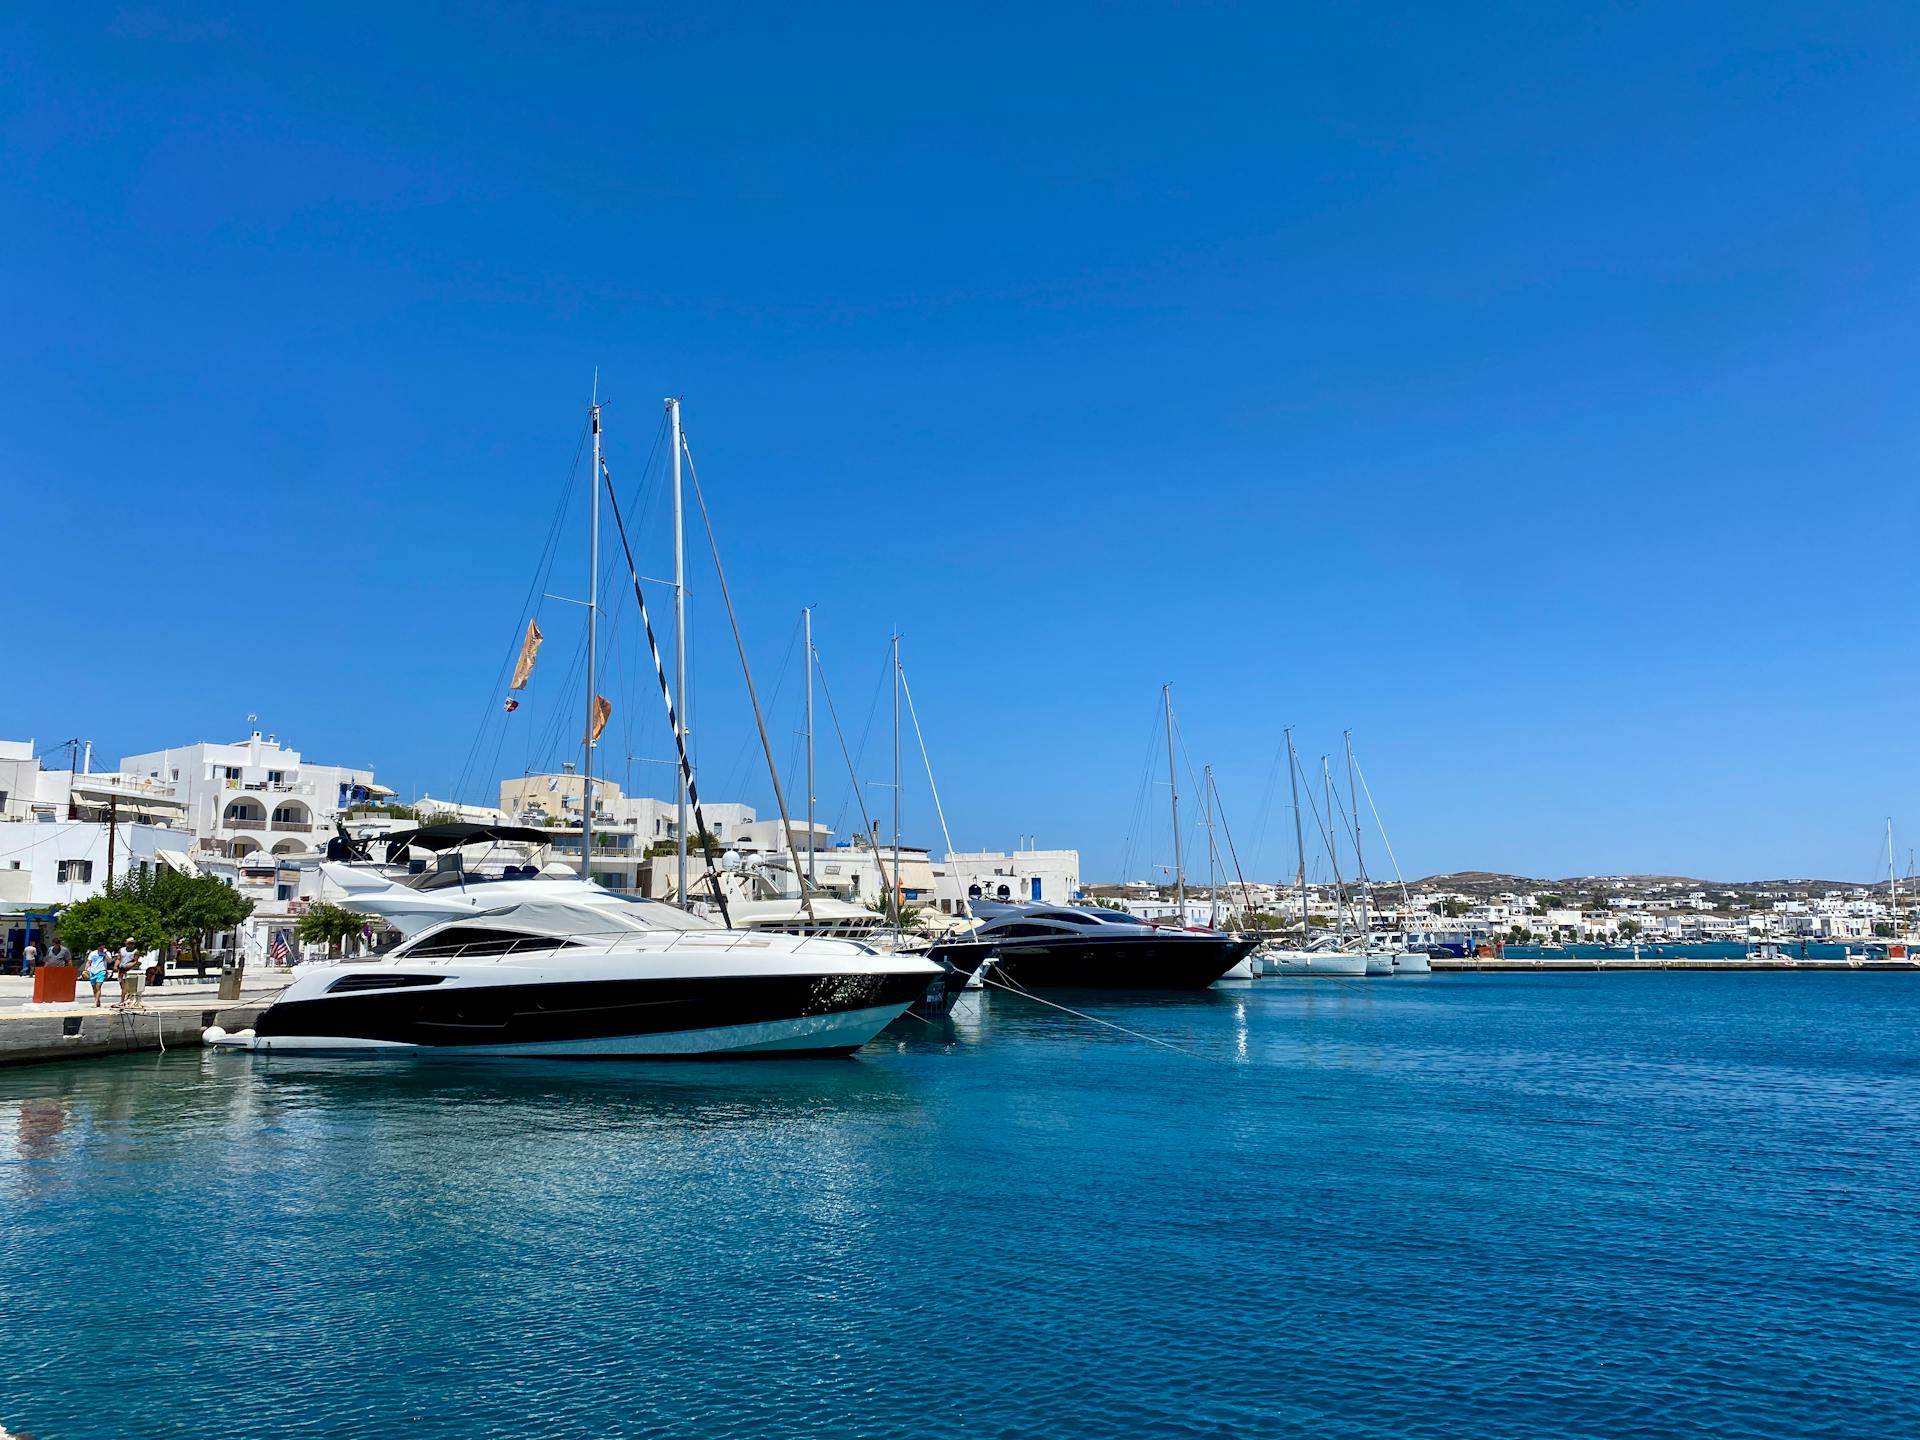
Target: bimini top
{"points": [[452, 835]]}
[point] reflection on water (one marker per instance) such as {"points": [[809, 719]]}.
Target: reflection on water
{"points": [[1015, 1221]]}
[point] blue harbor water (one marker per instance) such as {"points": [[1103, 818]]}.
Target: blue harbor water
{"points": [[1596, 1205]]}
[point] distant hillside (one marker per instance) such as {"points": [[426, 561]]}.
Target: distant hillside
{"points": [[1494, 882]]}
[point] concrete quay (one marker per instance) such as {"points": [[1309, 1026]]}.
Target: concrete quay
{"points": [[1522, 965], [175, 1017]]}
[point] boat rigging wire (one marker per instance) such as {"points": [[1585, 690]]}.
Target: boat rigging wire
{"points": [[746, 673], [853, 777], [666, 694]]}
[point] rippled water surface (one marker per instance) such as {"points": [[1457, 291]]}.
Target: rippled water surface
{"points": [[1646, 1204]]}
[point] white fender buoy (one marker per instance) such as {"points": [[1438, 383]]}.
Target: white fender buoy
{"points": [[212, 1035]]}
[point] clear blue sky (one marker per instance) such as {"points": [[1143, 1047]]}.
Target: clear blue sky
{"points": [[1529, 388]]}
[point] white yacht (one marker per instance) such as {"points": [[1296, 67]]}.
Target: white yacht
{"points": [[549, 966], [1331, 960]]}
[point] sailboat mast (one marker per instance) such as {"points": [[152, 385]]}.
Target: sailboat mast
{"points": [[679, 654], [1206, 801], [593, 641], [811, 842], [898, 896], [1333, 850], [1353, 802], [1299, 839], [1893, 881], [1173, 789]]}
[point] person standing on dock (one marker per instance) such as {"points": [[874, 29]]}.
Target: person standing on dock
{"points": [[59, 954], [29, 960], [97, 971], [130, 977]]}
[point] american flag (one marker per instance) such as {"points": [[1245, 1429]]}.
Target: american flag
{"points": [[279, 952]]}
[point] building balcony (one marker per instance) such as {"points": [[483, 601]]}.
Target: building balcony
{"points": [[299, 826], [243, 822]]}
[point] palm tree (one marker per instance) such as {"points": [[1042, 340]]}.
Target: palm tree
{"points": [[911, 921]]}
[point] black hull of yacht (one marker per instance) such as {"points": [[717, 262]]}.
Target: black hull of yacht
{"points": [[1124, 962], [792, 1015], [958, 962]]}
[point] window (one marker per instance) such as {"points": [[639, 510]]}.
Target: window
{"points": [[469, 940], [276, 777], [233, 772], [80, 871]]}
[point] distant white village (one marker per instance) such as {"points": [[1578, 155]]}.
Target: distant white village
{"points": [[258, 814]]}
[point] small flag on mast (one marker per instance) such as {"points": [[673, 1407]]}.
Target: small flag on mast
{"points": [[279, 952], [602, 711], [529, 648]]}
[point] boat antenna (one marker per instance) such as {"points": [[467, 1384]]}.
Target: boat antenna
{"points": [[746, 671], [673, 718]]}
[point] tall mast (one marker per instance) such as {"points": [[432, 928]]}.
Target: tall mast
{"points": [[1299, 841], [1353, 802], [679, 654], [593, 640], [811, 840], [1893, 882], [1333, 851], [1206, 804], [898, 897], [1173, 787]]}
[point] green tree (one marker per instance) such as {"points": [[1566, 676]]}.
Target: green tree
{"points": [[191, 908], [1454, 907], [329, 925], [109, 920], [1549, 901], [1519, 935], [1629, 928]]}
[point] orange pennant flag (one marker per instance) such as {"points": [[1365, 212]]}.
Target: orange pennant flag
{"points": [[529, 648], [602, 711]]}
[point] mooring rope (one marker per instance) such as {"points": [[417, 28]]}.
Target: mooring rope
{"points": [[986, 979]]}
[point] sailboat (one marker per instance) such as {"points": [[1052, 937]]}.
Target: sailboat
{"points": [[551, 967], [1307, 959], [1392, 948]]}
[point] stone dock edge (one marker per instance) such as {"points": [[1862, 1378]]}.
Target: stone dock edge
{"points": [[36, 1038]]}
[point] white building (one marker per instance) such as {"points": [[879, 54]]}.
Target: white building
{"points": [[1049, 876], [255, 794]]}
